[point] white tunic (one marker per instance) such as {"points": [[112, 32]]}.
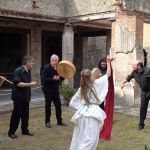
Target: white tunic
{"points": [[88, 119]]}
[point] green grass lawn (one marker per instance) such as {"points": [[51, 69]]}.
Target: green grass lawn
{"points": [[125, 135]]}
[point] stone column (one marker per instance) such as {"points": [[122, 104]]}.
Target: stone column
{"points": [[28, 44], [127, 46], [36, 51], [68, 47], [85, 51]]}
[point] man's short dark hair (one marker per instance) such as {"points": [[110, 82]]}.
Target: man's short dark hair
{"points": [[26, 59], [140, 64]]}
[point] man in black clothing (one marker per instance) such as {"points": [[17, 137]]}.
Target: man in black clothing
{"points": [[21, 95], [51, 82], [141, 75]]}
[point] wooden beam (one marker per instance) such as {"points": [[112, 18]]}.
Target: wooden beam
{"points": [[91, 17], [93, 25], [31, 16]]}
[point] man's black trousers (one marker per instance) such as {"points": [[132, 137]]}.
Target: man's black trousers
{"points": [[52, 96], [143, 108], [20, 111]]}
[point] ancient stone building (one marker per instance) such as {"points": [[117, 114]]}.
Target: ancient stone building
{"points": [[81, 31]]}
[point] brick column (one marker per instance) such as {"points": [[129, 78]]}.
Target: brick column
{"points": [[36, 51], [127, 46], [68, 47]]}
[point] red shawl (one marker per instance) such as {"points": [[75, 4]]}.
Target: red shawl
{"points": [[109, 110]]}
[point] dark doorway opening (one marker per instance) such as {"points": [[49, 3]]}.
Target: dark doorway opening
{"points": [[12, 49], [51, 44]]}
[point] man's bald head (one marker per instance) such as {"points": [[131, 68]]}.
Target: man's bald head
{"points": [[54, 60]]}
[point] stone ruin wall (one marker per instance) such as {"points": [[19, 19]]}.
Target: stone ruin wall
{"points": [[82, 7], [62, 8], [46, 7], [96, 49], [138, 5]]}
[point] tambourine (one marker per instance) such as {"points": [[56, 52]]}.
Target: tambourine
{"points": [[66, 69]]}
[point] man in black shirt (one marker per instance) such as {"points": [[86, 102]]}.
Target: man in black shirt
{"points": [[21, 95], [51, 82], [141, 75]]}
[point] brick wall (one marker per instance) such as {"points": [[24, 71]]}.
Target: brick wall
{"points": [[127, 41]]}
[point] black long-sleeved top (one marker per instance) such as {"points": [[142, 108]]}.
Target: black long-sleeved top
{"points": [[142, 78], [49, 83]]}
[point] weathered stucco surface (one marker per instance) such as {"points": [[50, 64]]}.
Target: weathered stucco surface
{"points": [[61, 8], [81, 7], [47, 7], [138, 5]]}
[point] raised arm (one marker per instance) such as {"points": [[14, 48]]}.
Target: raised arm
{"points": [[123, 83], [109, 66], [129, 77]]}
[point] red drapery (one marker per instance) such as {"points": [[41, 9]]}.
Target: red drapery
{"points": [[105, 133]]}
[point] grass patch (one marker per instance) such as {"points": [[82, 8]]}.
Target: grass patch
{"points": [[125, 135]]}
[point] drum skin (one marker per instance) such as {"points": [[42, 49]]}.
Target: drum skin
{"points": [[66, 69]]}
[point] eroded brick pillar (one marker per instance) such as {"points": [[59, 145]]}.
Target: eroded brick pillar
{"points": [[127, 46]]}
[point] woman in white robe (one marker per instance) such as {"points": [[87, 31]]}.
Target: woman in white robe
{"points": [[89, 117]]}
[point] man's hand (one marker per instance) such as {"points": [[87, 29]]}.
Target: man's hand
{"points": [[33, 83], [2, 79], [110, 59], [56, 77], [113, 58], [122, 86], [123, 83]]}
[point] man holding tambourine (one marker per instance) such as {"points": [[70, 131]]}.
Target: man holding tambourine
{"points": [[51, 82]]}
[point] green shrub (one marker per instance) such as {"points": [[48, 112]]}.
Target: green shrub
{"points": [[67, 92], [146, 148]]}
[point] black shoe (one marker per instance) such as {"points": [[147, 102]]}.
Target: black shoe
{"points": [[61, 124], [28, 134], [13, 136], [141, 127], [48, 125]]}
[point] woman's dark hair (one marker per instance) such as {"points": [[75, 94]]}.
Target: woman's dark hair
{"points": [[26, 59], [101, 60]]}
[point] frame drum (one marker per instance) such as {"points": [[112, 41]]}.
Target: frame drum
{"points": [[66, 69]]}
